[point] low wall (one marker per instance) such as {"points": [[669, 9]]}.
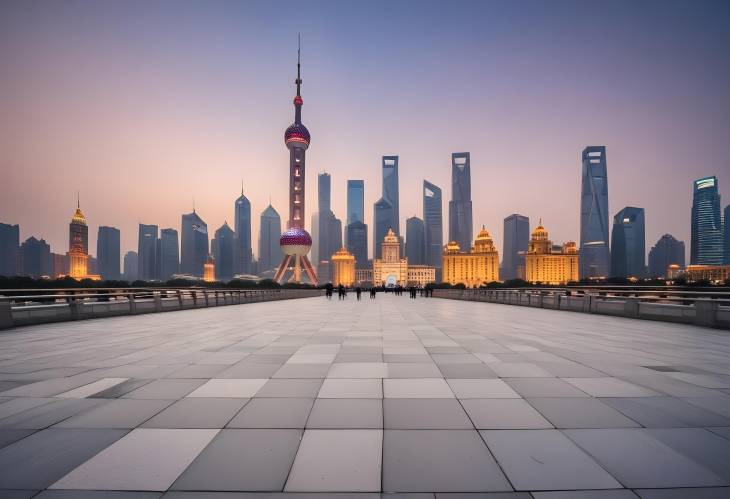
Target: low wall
{"points": [[68, 308], [701, 312]]}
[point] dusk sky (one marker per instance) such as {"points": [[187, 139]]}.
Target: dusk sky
{"points": [[144, 105]]}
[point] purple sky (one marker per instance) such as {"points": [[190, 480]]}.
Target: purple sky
{"points": [[143, 106]]}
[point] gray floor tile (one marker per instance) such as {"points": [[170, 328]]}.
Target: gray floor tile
{"points": [[117, 413], [197, 413], [243, 460], [426, 388], [586, 494], [519, 370], [694, 493], [46, 415], [38, 460], [18, 494], [273, 413], [545, 460], [481, 388], [580, 413], [666, 412], [302, 371], [425, 414], [504, 414], [543, 387], [7, 437], [228, 388], [610, 387], [461, 371], [439, 461], [245, 370], [351, 388], [302, 388], [700, 445], [346, 414], [96, 494], [413, 370], [165, 389], [124, 388]]}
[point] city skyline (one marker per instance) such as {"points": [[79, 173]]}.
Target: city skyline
{"points": [[127, 190]]}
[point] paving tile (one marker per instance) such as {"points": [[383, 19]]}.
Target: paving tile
{"points": [[479, 495], [424, 414], [359, 370], [303, 388], [7, 437], [460, 371], [481, 388], [638, 460], [46, 415], [337, 461], [610, 387], [92, 388], [197, 413], [519, 370], [351, 388], [702, 446], [346, 414], [117, 413], [543, 387], [694, 493], [246, 370], [665, 412], [545, 460], [231, 388], [18, 494], [273, 413], [417, 388], [38, 460], [123, 388], [96, 494], [242, 460], [302, 371], [586, 494], [165, 389], [21, 404], [581, 413], [413, 370], [144, 459], [439, 461], [504, 414]]}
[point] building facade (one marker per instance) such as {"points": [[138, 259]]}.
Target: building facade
{"points": [[9, 249], [243, 254], [269, 232], [433, 225], [343, 268], [35, 258], [147, 252], [193, 245], [594, 250], [131, 266], [706, 246], [628, 243], [209, 269], [716, 274], [514, 248], [391, 270], [357, 242], [460, 206], [666, 252], [78, 246], [415, 241], [355, 201], [168, 256], [223, 249], [546, 265], [474, 267], [726, 237], [108, 253], [387, 209]]}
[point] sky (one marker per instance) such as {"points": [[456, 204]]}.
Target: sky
{"points": [[145, 106]]}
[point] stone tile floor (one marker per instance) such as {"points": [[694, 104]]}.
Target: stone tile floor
{"points": [[414, 399]]}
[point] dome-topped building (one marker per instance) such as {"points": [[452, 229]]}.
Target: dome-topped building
{"points": [[473, 268], [545, 265]]}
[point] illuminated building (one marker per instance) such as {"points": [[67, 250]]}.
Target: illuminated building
{"points": [[432, 224], [392, 270], [712, 273], [364, 276], [295, 242], [59, 265], [478, 266], [193, 245], [544, 264], [594, 253], [386, 210], [460, 211], [209, 269], [78, 246], [668, 251], [706, 237], [343, 268], [628, 243], [242, 225]]}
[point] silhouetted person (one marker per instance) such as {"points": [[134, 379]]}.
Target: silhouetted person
{"points": [[358, 292], [328, 290], [341, 292]]}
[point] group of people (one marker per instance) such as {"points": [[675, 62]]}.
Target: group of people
{"points": [[396, 290]]}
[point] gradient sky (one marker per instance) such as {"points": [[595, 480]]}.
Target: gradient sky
{"points": [[145, 105]]}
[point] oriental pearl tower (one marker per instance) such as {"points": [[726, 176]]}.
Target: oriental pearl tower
{"points": [[295, 242]]}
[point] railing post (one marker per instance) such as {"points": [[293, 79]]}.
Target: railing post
{"points": [[157, 297], [587, 305], [179, 299], [631, 307], [132, 304], [6, 314], [205, 295], [73, 307], [705, 312]]}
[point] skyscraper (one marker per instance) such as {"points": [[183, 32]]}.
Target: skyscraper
{"points": [[324, 191], [242, 225], [726, 239], [667, 251], [9, 248], [706, 244], [169, 254], [223, 251], [194, 244], [386, 209], [357, 242], [108, 253], [78, 245], [460, 222], [147, 252], [355, 201], [594, 251], [516, 240], [131, 266], [415, 241], [628, 243], [433, 224], [327, 228], [35, 257], [269, 232]]}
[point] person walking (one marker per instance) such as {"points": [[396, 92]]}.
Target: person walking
{"points": [[358, 292]]}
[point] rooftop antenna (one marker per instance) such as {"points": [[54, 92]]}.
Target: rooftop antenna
{"points": [[241, 187], [299, 51]]}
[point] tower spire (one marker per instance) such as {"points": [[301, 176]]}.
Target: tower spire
{"points": [[299, 53], [78, 199], [241, 187]]}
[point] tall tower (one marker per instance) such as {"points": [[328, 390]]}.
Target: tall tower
{"points": [[706, 243], [594, 252], [78, 245], [295, 242], [460, 221]]}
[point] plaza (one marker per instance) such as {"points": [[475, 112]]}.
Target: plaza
{"points": [[425, 398]]}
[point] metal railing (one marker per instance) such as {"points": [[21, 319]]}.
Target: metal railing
{"points": [[704, 307], [34, 306]]}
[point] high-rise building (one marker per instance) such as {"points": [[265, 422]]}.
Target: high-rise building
{"points": [[726, 238], [108, 253], [343, 268], [59, 265], [549, 265], [474, 267], [415, 241], [9, 249], [706, 246], [326, 227], [168, 261], [242, 224], [667, 251], [131, 266], [35, 258], [194, 244], [223, 251], [460, 211], [594, 250], [147, 252], [209, 269], [514, 248], [392, 270], [324, 192], [433, 224], [386, 209], [357, 242], [296, 242], [78, 245], [355, 201], [628, 243], [269, 232]]}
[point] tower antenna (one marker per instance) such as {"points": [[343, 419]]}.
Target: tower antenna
{"points": [[299, 52]]}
